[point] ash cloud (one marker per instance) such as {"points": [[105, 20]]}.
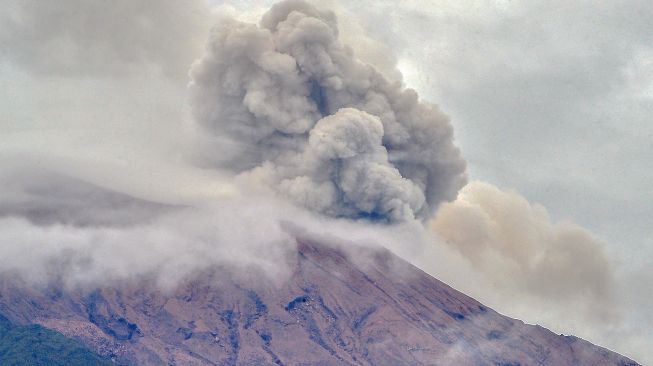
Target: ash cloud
{"points": [[516, 247], [286, 103], [96, 186]]}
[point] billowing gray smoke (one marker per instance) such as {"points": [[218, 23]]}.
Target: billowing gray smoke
{"points": [[289, 105]]}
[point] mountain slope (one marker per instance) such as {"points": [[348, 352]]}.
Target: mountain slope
{"points": [[369, 309]]}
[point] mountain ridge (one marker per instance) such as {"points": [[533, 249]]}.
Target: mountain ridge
{"points": [[332, 309]]}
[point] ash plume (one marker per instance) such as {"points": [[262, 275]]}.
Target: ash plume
{"points": [[286, 103], [515, 245], [104, 196]]}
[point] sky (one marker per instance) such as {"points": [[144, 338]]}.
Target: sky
{"points": [[548, 101]]}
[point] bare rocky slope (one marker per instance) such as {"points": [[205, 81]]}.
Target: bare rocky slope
{"points": [[331, 310]]}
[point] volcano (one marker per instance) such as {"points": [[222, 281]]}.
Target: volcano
{"points": [[333, 308]]}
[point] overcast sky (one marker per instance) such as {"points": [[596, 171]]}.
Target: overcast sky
{"points": [[551, 101]]}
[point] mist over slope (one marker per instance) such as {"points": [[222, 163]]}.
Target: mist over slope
{"points": [[335, 309]]}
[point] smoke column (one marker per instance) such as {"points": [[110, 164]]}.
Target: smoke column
{"points": [[285, 103]]}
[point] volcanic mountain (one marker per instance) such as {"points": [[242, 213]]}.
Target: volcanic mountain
{"points": [[331, 309]]}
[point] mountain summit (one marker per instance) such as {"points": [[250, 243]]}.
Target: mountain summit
{"points": [[331, 309]]}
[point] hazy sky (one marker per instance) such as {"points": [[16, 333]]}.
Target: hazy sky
{"points": [[550, 102]]}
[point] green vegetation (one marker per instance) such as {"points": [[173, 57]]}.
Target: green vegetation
{"points": [[34, 345]]}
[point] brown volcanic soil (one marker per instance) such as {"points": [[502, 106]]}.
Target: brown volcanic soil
{"points": [[330, 311]]}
